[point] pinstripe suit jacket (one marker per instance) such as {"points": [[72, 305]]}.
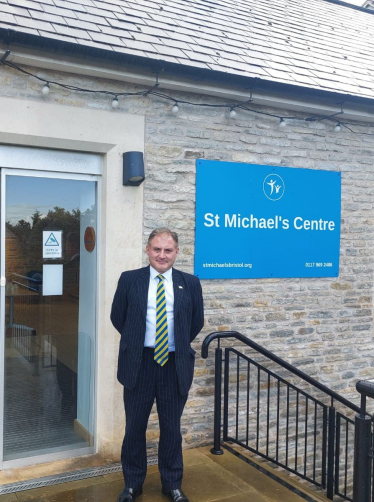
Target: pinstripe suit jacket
{"points": [[129, 311]]}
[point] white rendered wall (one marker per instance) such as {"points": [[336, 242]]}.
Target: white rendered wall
{"points": [[40, 124]]}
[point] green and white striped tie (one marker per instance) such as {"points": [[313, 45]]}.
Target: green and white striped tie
{"points": [[161, 344]]}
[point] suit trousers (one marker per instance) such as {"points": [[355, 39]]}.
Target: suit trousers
{"points": [[158, 383]]}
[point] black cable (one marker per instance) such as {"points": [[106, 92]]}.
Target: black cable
{"points": [[73, 87], [242, 105], [147, 92]]}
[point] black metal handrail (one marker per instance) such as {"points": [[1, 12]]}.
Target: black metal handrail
{"points": [[363, 454], [234, 334], [270, 416]]}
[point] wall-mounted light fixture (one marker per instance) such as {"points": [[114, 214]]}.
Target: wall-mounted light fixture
{"points": [[133, 169]]}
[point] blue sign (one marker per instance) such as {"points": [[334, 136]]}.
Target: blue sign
{"points": [[265, 221]]}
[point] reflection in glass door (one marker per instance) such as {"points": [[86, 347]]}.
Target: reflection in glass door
{"points": [[49, 229]]}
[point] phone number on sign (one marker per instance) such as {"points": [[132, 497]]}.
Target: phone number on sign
{"points": [[320, 264]]}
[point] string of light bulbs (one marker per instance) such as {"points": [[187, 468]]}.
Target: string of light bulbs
{"points": [[153, 91]]}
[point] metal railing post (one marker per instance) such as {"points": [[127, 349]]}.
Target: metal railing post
{"points": [[362, 453], [331, 454], [217, 450]]}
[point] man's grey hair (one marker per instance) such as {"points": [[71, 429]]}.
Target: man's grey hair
{"points": [[162, 230]]}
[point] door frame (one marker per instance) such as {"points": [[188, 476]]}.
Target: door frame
{"points": [[57, 455]]}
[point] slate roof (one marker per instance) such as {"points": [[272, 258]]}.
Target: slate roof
{"points": [[320, 44]]}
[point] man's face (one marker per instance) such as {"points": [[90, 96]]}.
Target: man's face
{"points": [[162, 252]]}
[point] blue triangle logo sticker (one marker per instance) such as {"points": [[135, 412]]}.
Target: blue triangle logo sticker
{"points": [[51, 241]]}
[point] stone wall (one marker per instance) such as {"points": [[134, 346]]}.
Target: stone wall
{"points": [[321, 325], [15, 253]]}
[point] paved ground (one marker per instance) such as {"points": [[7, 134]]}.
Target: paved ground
{"points": [[207, 478]]}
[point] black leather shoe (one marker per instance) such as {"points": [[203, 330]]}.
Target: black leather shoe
{"points": [[129, 494], [175, 495]]}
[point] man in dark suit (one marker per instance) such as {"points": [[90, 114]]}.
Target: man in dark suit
{"points": [[158, 311]]}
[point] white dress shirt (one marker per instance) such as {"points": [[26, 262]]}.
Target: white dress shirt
{"points": [[150, 331]]}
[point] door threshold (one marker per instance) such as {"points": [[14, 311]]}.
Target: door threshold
{"points": [[65, 477]]}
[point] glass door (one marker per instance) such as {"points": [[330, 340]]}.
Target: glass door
{"points": [[48, 302]]}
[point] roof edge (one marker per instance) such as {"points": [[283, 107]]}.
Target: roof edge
{"points": [[351, 6]]}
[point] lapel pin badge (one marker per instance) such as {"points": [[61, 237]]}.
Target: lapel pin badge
{"points": [[180, 287]]}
